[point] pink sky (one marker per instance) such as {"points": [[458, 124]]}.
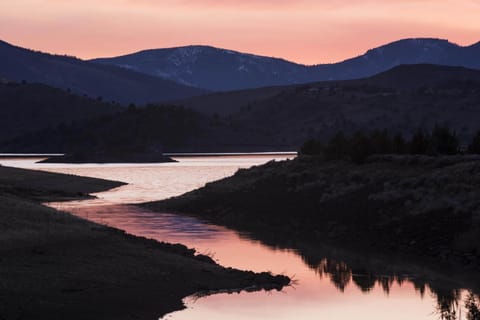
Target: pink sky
{"points": [[305, 31]]}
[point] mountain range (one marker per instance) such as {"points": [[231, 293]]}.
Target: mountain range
{"points": [[109, 83], [161, 75], [223, 70]]}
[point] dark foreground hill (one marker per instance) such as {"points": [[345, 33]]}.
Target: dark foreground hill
{"points": [[221, 70], [85, 78]]}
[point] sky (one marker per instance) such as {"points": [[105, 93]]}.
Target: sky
{"points": [[304, 31]]}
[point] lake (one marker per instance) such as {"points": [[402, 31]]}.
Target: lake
{"points": [[328, 284]]}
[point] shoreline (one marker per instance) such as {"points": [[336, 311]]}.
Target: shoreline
{"points": [[55, 265], [384, 206]]}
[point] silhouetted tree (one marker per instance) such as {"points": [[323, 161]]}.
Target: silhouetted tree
{"points": [[420, 143], [337, 147], [312, 147], [381, 142], [474, 146], [444, 141], [399, 146], [132, 107], [360, 147]]}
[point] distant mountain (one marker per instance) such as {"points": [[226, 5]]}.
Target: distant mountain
{"points": [[82, 77], [211, 68], [408, 51], [223, 70]]}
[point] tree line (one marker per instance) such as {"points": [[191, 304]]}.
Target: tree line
{"points": [[357, 147]]}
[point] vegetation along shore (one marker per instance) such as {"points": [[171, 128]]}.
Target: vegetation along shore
{"points": [[416, 206]]}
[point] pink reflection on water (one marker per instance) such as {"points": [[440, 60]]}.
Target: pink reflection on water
{"points": [[152, 181], [312, 297]]}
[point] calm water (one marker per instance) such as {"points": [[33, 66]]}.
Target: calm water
{"points": [[325, 286]]}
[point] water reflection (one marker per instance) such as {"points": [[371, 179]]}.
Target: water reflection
{"points": [[472, 304]]}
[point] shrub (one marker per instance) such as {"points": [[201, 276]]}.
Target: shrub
{"points": [[312, 147]]}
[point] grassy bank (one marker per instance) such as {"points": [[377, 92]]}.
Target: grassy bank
{"points": [[408, 206], [56, 266]]}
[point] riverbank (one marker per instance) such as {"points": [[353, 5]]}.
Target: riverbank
{"points": [[409, 206], [54, 265]]}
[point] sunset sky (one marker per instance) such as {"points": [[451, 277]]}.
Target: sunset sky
{"points": [[305, 31]]}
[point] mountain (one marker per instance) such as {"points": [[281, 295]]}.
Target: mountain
{"points": [[400, 100], [211, 68], [223, 70], [408, 51], [26, 108], [82, 77]]}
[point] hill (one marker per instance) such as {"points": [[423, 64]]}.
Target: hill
{"points": [[279, 118], [85, 78], [225, 70], [138, 135], [26, 108], [401, 100]]}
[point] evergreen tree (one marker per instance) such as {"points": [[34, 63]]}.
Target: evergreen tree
{"points": [[381, 142], [312, 147], [444, 141], [474, 146], [399, 146], [420, 143], [360, 147], [337, 147]]}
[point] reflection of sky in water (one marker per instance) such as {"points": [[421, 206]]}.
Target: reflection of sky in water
{"points": [[315, 295], [326, 289], [149, 182]]}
